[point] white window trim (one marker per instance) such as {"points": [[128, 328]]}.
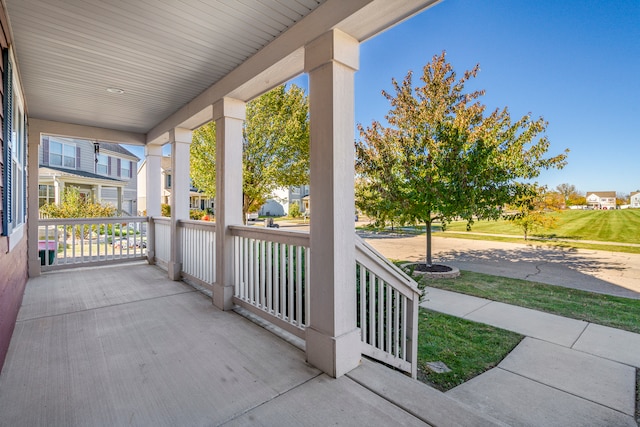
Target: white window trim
{"points": [[16, 234], [63, 144], [106, 164], [122, 163]]}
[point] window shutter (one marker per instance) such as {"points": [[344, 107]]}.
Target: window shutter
{"points": [[77, 157], [130, 169], [118, 167], [45, 151], [6, 133], [109, 166]]}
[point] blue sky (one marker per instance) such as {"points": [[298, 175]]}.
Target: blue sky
{"points": [[576, 63]]}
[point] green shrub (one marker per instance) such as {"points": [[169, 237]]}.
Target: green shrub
{"points": [[165, 210], [294, 210]]}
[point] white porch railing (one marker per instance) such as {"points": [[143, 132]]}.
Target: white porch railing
{"points": [[198, 251], [271, 271], [272, 275], [162, 240], [388, 302], [69, 242]]}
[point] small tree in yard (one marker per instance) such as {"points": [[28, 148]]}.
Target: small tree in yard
{"points": [[442, 158], [530, 211], [294, 210]]}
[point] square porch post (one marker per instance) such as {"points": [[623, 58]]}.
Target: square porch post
{"points": [[153, 190], [229, 115], [332, 338], [180, 156]]}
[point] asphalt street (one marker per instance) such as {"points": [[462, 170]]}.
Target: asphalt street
{"points": [[613, 273]]}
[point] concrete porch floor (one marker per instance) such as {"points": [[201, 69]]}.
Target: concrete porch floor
{"points": [[123, 345]]}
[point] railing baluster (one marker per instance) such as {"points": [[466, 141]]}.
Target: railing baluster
{"points": [[269, 269], [299, 265]]}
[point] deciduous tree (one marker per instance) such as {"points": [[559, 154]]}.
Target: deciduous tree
{"points": [[442, 158], [275, 148], [531, 209], [568, 191]]}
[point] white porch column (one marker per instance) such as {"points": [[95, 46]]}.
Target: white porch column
{"points": [[180, 143], [33, 253], [332, 339], [58, 189], [229, 115], [97, 193], [153, 190]]}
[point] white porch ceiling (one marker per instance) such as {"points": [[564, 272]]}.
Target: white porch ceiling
{"points": [[166, 54]]}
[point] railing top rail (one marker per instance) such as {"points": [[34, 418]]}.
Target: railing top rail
{"points": [[197, 224], [392, 274], [161, 219], [110, 219], [297, 238]]}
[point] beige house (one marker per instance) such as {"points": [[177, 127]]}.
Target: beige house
{"points": [[601, 199]]}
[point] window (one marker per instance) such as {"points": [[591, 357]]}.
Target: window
{"points": [[46, 194], [102, 166], [125, 169], [14, 203], [61, 154], [167, 183]]}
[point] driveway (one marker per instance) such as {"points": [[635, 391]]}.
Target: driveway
{"points": [[611, 273]]}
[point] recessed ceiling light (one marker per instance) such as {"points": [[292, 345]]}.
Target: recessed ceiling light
{"points": [[115, 90]]}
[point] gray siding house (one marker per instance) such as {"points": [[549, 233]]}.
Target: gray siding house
{"points": [[102, 171]]}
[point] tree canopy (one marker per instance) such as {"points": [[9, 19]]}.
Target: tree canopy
{"points": [[442, 157], [275, 147]]}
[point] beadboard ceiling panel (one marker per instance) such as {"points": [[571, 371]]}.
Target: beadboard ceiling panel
{"points": [[161, 53]]}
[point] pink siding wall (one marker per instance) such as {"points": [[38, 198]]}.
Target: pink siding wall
{"points": [[13, 278]]}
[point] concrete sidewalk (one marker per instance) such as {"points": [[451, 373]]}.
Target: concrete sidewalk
{"points": [[566, 372]]}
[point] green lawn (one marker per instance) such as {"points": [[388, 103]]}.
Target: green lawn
{"points": [[608, 226], [470, 348], [467, 348], [617, 312]]}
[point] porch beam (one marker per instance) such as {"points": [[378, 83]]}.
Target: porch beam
{"points": [[332, 338], [229, 115], [50, 127], [180, 145]]}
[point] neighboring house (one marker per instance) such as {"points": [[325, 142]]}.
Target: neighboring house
{"points": [[601, 199], [197, 199], [634, 199], [281, 200], [102, 171]]}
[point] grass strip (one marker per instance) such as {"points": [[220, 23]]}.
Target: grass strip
{"points": [[606, 310], [466, 347]]}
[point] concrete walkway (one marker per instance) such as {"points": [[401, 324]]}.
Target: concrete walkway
{"points": [[565, 372]]}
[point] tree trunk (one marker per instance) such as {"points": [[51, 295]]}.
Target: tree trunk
{"points": [[429, 260]]}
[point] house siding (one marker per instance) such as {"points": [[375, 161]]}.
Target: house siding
{"points": [[13, 264]]}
